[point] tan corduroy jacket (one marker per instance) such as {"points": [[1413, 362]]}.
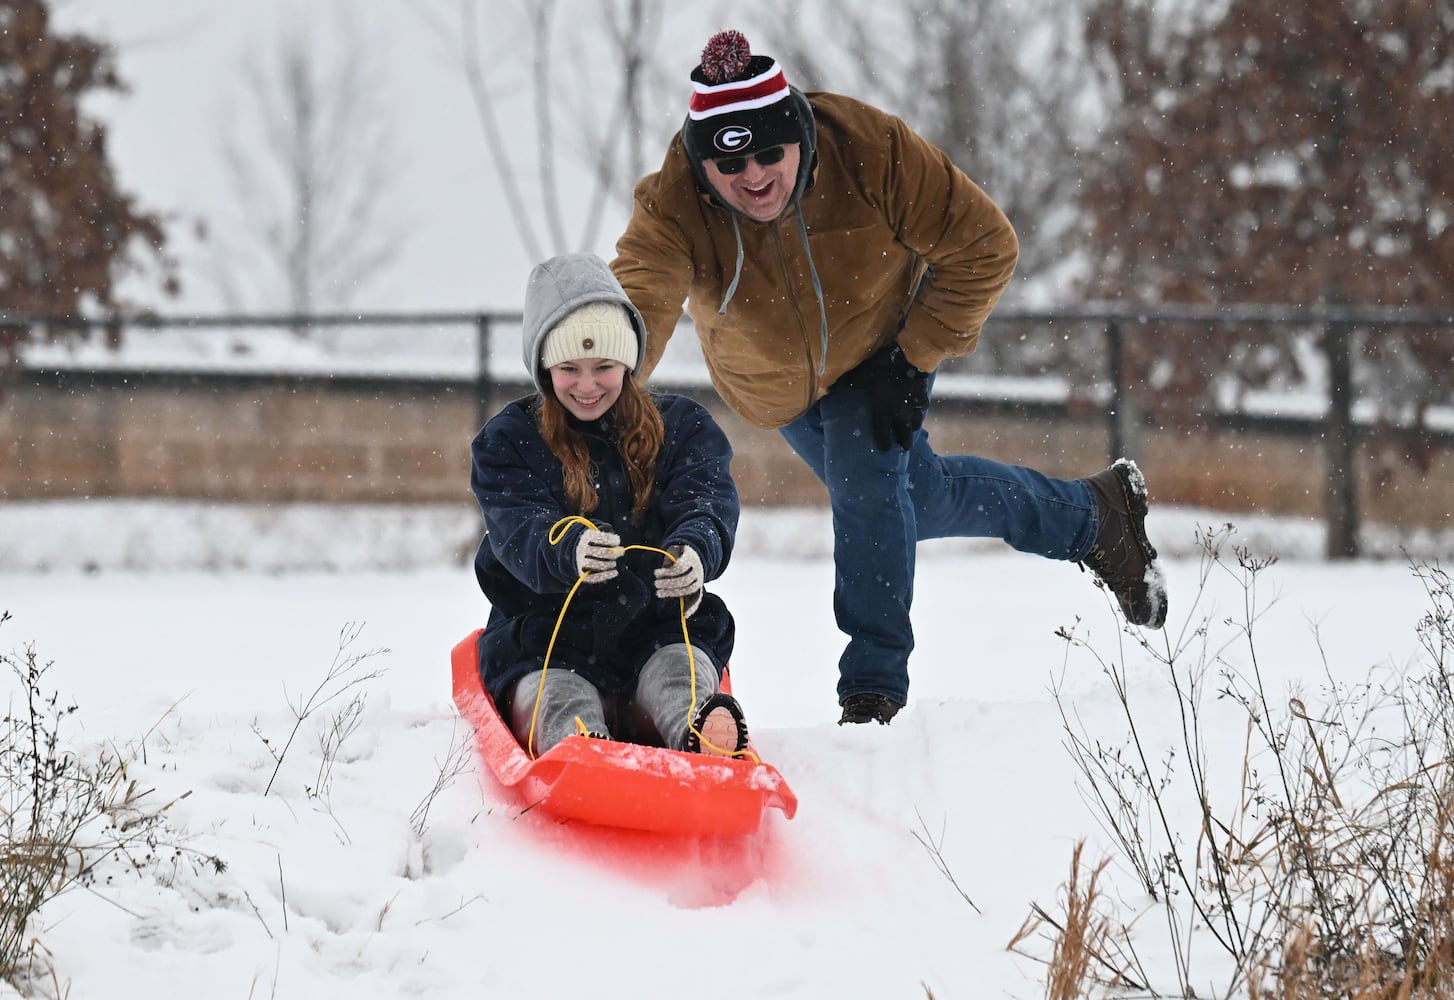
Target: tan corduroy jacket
{"points": [[885, 211]]}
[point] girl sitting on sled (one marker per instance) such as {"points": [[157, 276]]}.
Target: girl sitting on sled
{"points": [[607, 509]]}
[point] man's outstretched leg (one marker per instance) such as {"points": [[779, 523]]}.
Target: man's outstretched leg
{"points": [[1099, 521]]}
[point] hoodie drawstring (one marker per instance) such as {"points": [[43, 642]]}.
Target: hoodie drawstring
{"points": [[737, 272], [812, 272], [817, 292]]}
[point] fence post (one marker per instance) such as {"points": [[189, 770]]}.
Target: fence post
{"points": [[484, 403], [1341, 503], [1118, 419]]}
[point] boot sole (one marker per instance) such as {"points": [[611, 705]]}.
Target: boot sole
{"points": [[1134, 492], [719, 729], [1136, 495]]}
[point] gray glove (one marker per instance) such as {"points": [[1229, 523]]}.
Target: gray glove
{"points": [[596, 555], [683, 578]]}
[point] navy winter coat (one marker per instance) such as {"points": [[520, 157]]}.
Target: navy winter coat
{"points": [[610, 629]]}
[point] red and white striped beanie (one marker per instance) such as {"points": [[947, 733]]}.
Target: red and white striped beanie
{"points": [[740, 102]]}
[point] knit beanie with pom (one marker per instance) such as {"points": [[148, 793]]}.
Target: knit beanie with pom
{"points": [[741, 102]]}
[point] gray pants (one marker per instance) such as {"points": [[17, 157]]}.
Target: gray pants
{"points": [[662, 699]]}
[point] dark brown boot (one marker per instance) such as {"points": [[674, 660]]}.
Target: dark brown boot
{"points": [[868, 707], [1122, 556]]}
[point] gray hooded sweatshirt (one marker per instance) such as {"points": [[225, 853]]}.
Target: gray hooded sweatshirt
{"points": [[557, 288]]}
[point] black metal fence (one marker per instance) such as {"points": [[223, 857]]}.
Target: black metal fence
{"points": [[478, 361], [1335, 330]]}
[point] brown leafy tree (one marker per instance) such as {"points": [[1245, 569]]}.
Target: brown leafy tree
{"points": [[1291, 152], [67, 231]]}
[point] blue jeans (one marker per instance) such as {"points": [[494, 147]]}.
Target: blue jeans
{"points": [[884, 503]]}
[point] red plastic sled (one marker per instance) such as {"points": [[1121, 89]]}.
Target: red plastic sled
{"points": [[619, 784]]}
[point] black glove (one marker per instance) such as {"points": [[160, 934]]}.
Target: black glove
{"points": [[898, 394]]}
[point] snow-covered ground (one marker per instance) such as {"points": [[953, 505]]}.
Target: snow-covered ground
{"points": [[184, 634]]}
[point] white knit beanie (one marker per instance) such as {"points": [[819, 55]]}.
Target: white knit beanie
{"points": [[595, 330]]}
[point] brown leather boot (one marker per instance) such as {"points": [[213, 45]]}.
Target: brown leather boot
{"points": [[1122, 556]]}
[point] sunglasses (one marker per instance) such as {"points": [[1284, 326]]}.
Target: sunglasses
{"points": [[764, 157]]}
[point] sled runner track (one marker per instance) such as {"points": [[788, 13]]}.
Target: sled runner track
{"points": [[619, 784]]}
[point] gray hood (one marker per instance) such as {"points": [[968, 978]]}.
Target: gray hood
{"points": [[558, 287]]}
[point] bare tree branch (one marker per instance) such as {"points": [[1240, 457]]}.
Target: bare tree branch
{"points": [[494, 140], [598, 114], [311, 153]]}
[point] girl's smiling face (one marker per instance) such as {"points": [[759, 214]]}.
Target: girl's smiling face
{"points": [[587, 387]]}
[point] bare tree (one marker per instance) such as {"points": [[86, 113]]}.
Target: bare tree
{"points": [[996, 84], [598, 101], [623, 145], [311, 155]]}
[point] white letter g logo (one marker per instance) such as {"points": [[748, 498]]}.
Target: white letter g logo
{"points": [[732, 138]]}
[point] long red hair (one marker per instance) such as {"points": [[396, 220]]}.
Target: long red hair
{"points": [[639, 432]]}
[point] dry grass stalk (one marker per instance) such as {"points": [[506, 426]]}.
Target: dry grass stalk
{"points": [[1083, 952], [1332, 874], [63, 815], [1082, 939], [344, 676]]}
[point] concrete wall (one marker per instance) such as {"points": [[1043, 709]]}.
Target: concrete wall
{"points": [[367, 440], [237, 439]]}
